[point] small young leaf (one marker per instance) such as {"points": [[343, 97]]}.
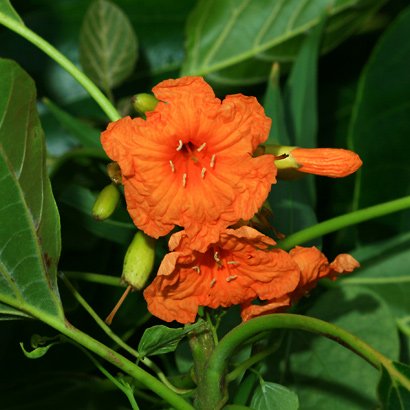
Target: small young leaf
{"points": [[37, 352], [108, 45], [162, 339], [272, 396]]}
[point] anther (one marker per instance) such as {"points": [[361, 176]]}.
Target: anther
{"points": [[184, 180], [217, 258], [172, 165], [233, 263], [203, 173], [180, 145], [201, 147], [213, 281], [232, 277], [196, 268], [212, 163]]}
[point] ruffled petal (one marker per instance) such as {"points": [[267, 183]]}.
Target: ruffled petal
{"points": [[249, 310]]}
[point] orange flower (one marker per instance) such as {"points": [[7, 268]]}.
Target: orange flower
{"points": [[313, 265], [190, 162], [237, 269], [330, 162]]}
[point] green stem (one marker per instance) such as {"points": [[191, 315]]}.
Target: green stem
{"points": [[116, 359], [147, 362], [126, 389], [95, 278], [218, 361], [352, 218], [64, 62]]}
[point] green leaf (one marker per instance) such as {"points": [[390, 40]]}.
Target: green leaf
{"points": [[273, 104], [108, 44], [301, 91], [379, 128], [162, 339], [37, 352], [272, 396], [222, 33], [385, 270], [29, 220], [328, 375], [7, 10], [86, 135], [392, 395]]}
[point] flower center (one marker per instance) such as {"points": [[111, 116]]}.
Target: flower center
{"points": [[191, 161]]}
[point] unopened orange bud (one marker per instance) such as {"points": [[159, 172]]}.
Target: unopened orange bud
{"points": [[330, 162]]}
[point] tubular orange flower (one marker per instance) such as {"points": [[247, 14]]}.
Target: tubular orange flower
{"points": [[237, 269], [190, 162], [330, 162], [313, 265]]}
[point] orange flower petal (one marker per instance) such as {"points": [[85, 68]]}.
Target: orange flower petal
{"points": [[190, 162], [237, 269], [314, 265], [330, 162], [249, 310]]}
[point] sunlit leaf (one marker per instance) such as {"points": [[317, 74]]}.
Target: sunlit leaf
{"points": [[108, 44], [222, 33], [29, 221]]}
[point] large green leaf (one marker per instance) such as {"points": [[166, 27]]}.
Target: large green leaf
{"points": [[222, 33], [108, 44], [393, 395], [272, 396], [29, 220], [327, 375], [385, 270], [380, 128]]}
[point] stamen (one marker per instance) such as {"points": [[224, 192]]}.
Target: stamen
{"points": [[203, 173], [201, 147], [180, 145], [232, 277], [184, 180], [172, 165], [217, 258], [233, 263], [212, 163], [213, 281], [196, 268]]}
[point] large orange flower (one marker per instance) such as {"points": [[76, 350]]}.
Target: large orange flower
{"points": [[190, 162], [237, 269], [313, 265]]}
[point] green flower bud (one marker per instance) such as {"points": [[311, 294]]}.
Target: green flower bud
{"points": [[139, 260], [144, 102], [106, 202]]}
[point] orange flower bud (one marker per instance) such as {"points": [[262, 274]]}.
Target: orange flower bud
{"points": [[330, 162]]}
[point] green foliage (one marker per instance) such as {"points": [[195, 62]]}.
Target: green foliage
{"points": [[379, 125], [224, 33], [162, 339], [393, 395], [108, 45], [272, 396], [328, 375], [235, 44], [30, 227]]}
